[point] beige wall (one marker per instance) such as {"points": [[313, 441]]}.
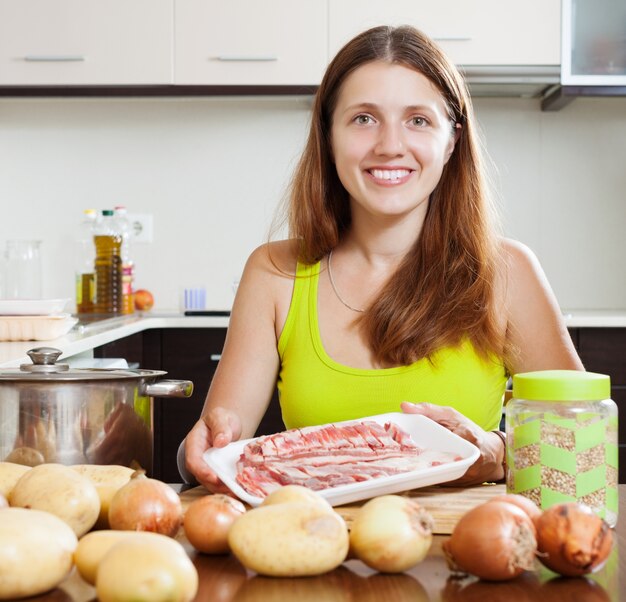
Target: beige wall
{"points": [[211, 172]]}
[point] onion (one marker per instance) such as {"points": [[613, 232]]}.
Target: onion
{"points": [[3, 502], [494, 541], [145, 504], [391, 533], [526, 504], [208, 520], [572, 540]]}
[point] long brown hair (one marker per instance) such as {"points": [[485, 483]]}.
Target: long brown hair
{"points": [[443, 291]]}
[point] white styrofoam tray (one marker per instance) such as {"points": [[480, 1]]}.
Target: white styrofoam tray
{"points": [[35, 328], [426, 433]]}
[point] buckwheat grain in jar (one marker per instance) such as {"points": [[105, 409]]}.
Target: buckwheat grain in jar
{"points": [[561, 429]]}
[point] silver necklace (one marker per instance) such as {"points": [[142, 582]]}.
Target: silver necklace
{"points": [[332, 283]]}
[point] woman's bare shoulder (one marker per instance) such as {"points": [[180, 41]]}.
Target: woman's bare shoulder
{"points": [[276, 257]]}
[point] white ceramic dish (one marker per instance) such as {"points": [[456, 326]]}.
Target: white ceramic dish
{"points": [[35, 328], [425, 432], [32, 307]]}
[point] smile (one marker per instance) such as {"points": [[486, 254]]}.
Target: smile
{"points": [[390, 175]]}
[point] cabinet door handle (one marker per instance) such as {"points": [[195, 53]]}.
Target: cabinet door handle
{"points": [[216, 357], [452, 38], [243, 58], [54, 58]]}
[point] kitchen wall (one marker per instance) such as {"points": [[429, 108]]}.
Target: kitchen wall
{"points": [[212, 171]]}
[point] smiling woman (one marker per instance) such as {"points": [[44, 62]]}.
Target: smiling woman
{"points": [[424, 302]]}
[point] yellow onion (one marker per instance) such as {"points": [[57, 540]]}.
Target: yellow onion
{"points": [[145, 504], [494, 541], [391, 533], [572, 540], [208, 520]]}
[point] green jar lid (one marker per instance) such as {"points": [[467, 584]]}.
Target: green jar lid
{"points": [[561, 385]]}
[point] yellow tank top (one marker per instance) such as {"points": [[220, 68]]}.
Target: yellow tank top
{"points": [[314, 389]]}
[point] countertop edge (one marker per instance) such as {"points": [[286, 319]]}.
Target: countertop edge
{"points": [[86, 338]]}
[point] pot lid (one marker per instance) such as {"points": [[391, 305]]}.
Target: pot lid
{"points": [[45, 368]]}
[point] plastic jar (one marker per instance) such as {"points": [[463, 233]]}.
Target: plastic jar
{"points": [[561, 430]]}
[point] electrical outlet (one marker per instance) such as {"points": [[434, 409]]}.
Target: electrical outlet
{"points": [[141, 224]]}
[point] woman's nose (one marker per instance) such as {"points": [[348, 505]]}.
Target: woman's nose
{"points": [[390, 140]]}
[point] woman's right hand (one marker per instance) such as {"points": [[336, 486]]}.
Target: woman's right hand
{"points": [[217, 428]]}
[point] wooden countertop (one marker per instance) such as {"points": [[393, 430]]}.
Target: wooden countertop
{"points": [[223, 579]]}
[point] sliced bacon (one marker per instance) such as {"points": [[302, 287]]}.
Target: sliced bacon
{"points": [[319, 457]]}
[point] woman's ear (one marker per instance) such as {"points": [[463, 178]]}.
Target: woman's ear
{"points": [[457, 131], [453, 140]]}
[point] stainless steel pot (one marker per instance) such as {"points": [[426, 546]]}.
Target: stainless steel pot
{"points": [[51, 413]]}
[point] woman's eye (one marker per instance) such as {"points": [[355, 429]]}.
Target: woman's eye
{"points": [[363, 119], [419, 121]]}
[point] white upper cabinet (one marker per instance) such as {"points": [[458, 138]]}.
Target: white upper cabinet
{"points": [[472, 32], [85, 42], [250, 42]]}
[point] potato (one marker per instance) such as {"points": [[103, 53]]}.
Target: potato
{"points": [[36, 551], [10, 474], [295, 493], [27, 456], [107, 480], [150, 570], [61, 491], [293, 539], [94, 546]]}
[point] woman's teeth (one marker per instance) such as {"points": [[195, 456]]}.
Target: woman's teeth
{"points": [[389, 174]]}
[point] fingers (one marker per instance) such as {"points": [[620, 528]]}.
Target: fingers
{"points": [[430, 410], [198, 441], [220, 425]]}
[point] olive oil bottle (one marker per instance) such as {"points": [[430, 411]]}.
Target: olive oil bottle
{"points": [[85, 260], [108, 266]]}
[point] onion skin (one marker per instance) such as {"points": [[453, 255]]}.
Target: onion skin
{"points": [[391, 533], [526, 504], [145, 504], [208, 520], [494, 541], [572, 540]]}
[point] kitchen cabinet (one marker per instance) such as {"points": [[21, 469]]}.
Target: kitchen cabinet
{"points": [[472, 32], [85, 42], [276, 42]]}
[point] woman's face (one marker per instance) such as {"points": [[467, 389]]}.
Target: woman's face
{"points": [[391, 136]]}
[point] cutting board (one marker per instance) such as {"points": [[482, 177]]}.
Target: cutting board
{"points": [[445, 504]]}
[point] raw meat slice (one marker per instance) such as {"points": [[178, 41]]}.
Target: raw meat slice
{"points": [[331, 455]]}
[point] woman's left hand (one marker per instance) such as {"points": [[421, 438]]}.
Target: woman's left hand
{"points": [[489, 466]]}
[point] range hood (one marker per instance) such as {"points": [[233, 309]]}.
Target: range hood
{"points": [[511, 81]]}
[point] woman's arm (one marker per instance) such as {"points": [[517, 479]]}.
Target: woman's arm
{"points": [[245, 378], [536, 333]]}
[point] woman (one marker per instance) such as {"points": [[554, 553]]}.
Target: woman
{"points": [[394, 291]]}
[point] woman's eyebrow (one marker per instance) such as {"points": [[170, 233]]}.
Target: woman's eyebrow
{"points": [[373, 106]]}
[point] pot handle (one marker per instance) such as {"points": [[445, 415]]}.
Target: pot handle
{"points": [[168, 388]]}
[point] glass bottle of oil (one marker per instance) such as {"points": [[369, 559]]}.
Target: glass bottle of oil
{"points": [[85, 263], [108, 266], [124, 227]]}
